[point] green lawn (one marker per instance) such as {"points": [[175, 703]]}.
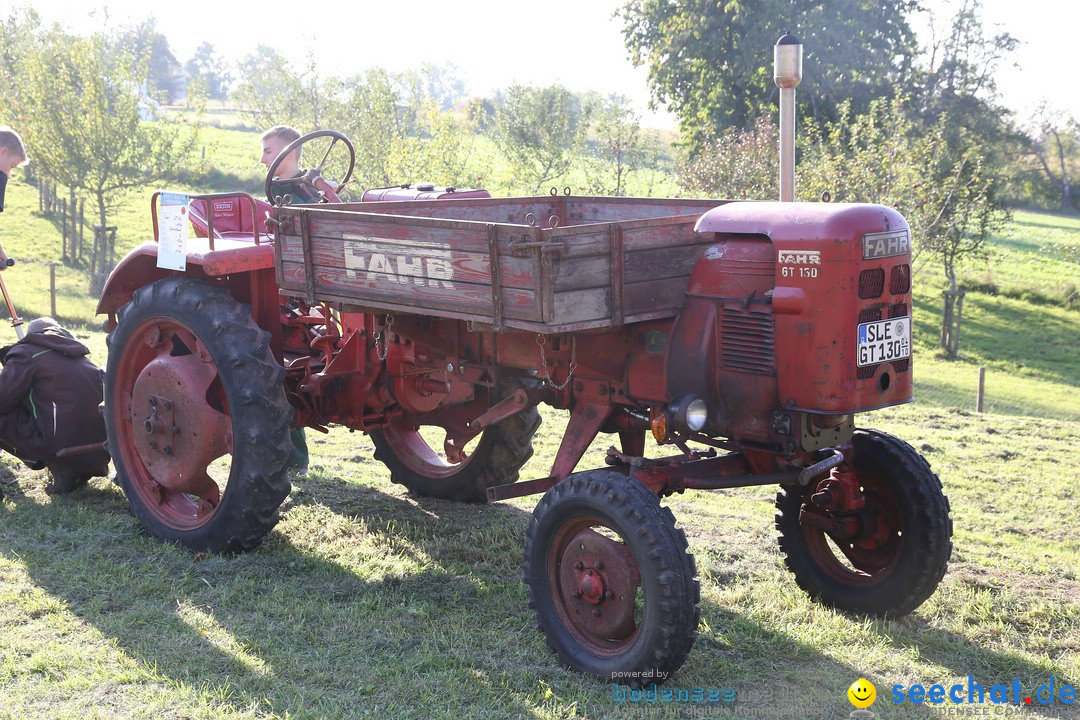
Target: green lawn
{"points": [[368, 602]]}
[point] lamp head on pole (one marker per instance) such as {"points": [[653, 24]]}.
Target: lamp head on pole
{"points": [[787, 61]]}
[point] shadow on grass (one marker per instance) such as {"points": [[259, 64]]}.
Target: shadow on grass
{"points": [[986, 668], [1049, 224], [415, 609], [1042, 341]]}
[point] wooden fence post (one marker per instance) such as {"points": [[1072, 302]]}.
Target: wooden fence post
{"points": [[982, 386], [82, 221], [112, 249], [52, 290], [72, 204], [102, 259], [63, 220], [99, 231], [66, 249]]}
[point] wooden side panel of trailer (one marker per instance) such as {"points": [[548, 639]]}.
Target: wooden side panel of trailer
{"points": [[463, 260]]}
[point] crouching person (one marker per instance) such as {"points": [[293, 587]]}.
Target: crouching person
{"points": [[49, 396]]}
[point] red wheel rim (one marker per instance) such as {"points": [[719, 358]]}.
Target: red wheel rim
{"points": [[411, 448], [595, 586], [174, 427], [870, 557]]}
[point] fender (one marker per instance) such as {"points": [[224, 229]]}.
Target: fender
{"points": [[139, 267]]}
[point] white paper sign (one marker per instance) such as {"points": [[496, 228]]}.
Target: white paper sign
{"points": [[172, 231]]}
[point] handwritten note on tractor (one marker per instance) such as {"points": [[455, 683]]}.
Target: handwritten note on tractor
{"points": [[172, 231]]}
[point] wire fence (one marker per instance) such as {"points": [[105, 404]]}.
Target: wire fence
{"points": [[82, 242], [994, 391]]}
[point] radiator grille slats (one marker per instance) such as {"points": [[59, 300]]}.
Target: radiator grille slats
{"points": [[868, 315], [747, 342], [873, 315], [900, 280], [871, 283], [901, 310]]}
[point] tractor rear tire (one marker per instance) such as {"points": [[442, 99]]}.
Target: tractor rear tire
{"points": [[502, 450], [197, 420], [904, 545]]}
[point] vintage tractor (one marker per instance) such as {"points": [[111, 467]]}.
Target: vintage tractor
{"points": [[744, 337]]}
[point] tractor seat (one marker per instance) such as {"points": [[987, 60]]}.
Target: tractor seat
{"points": [[232, 218]]}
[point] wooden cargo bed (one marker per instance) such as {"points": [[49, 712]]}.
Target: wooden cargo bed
{"points": [[544, 264]]}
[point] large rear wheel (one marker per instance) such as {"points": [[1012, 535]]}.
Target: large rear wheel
{"points": [[416, 457], [196, 416], [611, 579], [902, 542]]}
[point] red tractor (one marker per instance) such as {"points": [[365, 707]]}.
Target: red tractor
{"points": [[744, 337]]}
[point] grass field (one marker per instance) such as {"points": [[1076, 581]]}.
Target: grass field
{"points": [[368, 602]]}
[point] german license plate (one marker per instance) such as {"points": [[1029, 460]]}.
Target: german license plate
{"points": [[884, 340]]}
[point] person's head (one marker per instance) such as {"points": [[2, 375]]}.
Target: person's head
{"points": [[273, 142], [46, 325], [12, 150]]}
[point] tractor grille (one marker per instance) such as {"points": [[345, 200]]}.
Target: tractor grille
{"points": [[900, 280], [871, 283], [746, 343], [901, 310], [868, 315], [872, 315]]}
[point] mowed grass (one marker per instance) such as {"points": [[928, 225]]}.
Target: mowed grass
{"points": [[368, 602]]}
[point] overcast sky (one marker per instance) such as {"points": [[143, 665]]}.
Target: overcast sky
{"points": [[499, 42]]}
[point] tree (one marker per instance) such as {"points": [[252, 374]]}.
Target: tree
{"points": [[403, 134], [212, 69], [740, 164], [618, 149], [1055, 143], [958, 68], [711, 62], [940, 177], [161, 70], [955, 76], [540, 130], [442, 84], [273, 93], [81, 93], [376, 123], [17, 36], [398, 129]]}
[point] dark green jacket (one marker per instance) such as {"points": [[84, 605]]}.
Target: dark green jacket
{"points": [[49, 396]]}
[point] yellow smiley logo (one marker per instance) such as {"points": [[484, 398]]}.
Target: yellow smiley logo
{"points": [[862, 693]]}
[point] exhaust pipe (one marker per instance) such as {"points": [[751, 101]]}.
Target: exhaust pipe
{"points": [[787, 73]]}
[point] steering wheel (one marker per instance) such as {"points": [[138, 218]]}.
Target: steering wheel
{"points": [[307, 179]]}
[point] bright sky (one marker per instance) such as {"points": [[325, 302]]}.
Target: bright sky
{"points": [[495, 43]]}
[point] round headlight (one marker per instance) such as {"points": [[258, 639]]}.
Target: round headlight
{"points": [[697, 414]]}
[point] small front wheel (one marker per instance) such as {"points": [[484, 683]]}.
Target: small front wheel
{"points": [[611, 579], [902, 542]]}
